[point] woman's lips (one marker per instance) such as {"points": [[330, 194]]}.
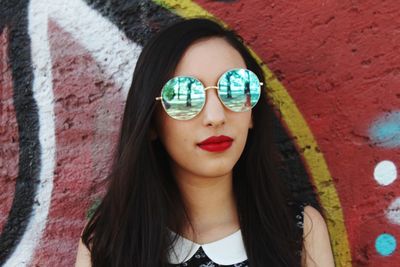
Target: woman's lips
{"points": [[216, 143]]}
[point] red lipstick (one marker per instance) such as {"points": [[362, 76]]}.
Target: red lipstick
{"points": [[216, 143]]}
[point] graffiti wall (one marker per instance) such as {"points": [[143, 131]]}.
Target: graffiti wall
{"points": [[333, 72]]}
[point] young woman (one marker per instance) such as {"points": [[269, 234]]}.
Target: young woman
{"points": [[194, 179]]}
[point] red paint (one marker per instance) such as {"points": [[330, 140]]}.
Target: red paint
{"points": [[87, 107], [340, 62], [9, 137]]}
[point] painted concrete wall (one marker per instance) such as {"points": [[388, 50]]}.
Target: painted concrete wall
{"points": [[333, 71]]}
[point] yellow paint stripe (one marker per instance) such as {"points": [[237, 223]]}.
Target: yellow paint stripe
{"points": [[317, 166], [183, 8], [299, 128]]}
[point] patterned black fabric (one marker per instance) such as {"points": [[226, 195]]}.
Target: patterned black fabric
{"points": [[200, 259]]}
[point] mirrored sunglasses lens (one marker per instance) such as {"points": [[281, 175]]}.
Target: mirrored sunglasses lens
{"points": [[239, 89], [183, 97]]}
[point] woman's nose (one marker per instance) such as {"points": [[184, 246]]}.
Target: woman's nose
{"points": [[213, 110]]}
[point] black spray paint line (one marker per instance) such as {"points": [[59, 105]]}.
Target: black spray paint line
{"points": [[28, 123]]}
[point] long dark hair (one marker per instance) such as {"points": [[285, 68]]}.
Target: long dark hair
{"points": [[130, 226]]}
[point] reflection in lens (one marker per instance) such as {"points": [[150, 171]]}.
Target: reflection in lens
{"points": [[239, 89], [183, 97]]}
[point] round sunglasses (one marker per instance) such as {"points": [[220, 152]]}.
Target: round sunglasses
{"points": [[183, 97]]}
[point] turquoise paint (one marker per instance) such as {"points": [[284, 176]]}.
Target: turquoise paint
{"points": [[385, 244], [385, 132]]}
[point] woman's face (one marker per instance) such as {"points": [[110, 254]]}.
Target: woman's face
{"points": [[207, 60]]}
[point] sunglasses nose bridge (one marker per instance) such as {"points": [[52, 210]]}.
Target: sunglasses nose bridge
{"points": [[211, 87], [213, 110]]}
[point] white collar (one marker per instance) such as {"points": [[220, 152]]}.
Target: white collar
{"points": [[226, 251]]}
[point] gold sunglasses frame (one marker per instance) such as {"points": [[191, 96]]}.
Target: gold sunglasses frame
{"points": [[206, 88]]}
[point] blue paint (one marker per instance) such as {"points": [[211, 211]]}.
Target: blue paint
{"points": [[385, 244], [385, 132]]}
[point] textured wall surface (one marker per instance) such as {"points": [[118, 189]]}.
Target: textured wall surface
{"points": [[333, 72]]}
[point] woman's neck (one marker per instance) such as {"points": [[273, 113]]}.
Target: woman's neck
{"points": [[211, 206]]}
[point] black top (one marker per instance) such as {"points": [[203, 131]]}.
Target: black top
{"points": [[200, 259]]}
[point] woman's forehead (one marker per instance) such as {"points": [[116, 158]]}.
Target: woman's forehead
{"points": [[209, 56]]}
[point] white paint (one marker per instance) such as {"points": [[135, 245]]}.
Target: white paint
{"points": [[385, 172], [43, 95], [393, 212], [109, 46]]}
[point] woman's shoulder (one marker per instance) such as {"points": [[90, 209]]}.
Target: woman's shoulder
{"points": [[318, 251], [313, 220], [305, 215], [83, 258], [315, 229]]}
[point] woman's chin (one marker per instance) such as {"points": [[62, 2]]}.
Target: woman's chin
{"points": [[215, 171]]}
